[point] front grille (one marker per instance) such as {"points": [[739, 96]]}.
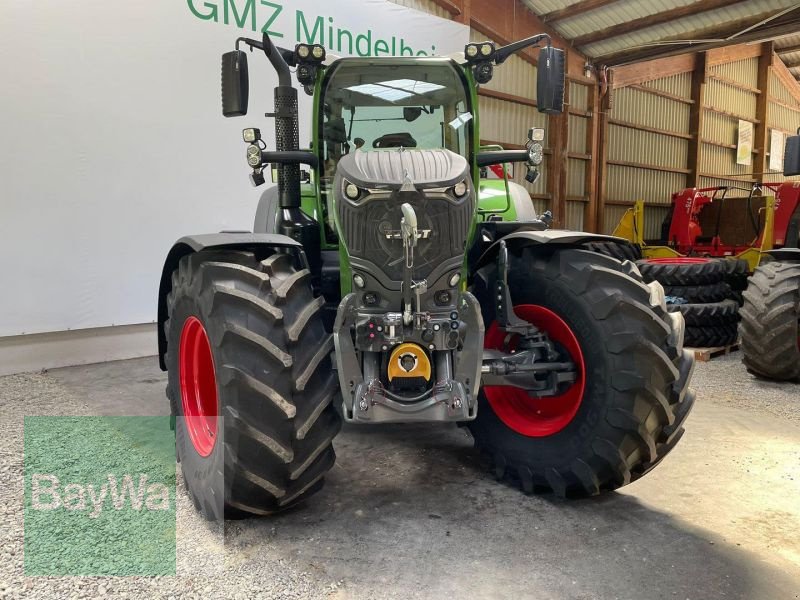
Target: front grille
{"points": [[365, 226]]}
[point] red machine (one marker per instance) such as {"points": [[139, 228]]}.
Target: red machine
{"points": [[706, 221]]}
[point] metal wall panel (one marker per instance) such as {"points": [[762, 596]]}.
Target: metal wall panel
{"points": [[507, 122], [744, 71], [778, 91], [721, 162], [641, 108], [538, 188], [578, 127], [515, 76], [677, 85], [634, 145], [720, 128], [578, 96], [576, 178], [732, 99], [611, 217], [574, 216], [629, 183]]}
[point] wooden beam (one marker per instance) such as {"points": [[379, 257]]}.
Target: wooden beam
{"points": [[649, 167], [688, 42], [629, 125], [732, 115], [466, 12], [449, 6], [601, 190], [558, 165], [662, 94], [761, 132], [696, 116], [635, 74], [786, 77], [591, 170], [727, 54], [788, 49], [793, 107], [664, 16], [497, 95], [573, 10], [734, 83]]}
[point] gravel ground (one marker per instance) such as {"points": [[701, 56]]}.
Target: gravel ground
{"points": [[406, 513], [226, 572]]}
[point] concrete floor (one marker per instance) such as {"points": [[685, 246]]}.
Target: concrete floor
{"points": [[407, 511]]}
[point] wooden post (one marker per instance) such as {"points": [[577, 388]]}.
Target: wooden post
{"points": [[592, 168], [466, 12], [602, 154], [696, 120], [761, 141], [558, 140]]}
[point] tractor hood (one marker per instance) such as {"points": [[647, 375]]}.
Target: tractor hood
{"points": [[389, 169]]}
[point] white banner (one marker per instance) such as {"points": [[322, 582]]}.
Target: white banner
{"points": [[776, 148], [744, 146], [115, 146]]}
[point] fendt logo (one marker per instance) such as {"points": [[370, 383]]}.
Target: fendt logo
{"points": [[271, 17]]}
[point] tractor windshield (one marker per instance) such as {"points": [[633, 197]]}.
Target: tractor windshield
{"points": [[372, 105]]}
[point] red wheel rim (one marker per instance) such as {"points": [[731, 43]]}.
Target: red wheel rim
{"points": [[198, 386], [537, 417], [678, 260]]}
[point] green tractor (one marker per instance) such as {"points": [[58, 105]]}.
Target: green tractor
{"points": [[387, 282]]}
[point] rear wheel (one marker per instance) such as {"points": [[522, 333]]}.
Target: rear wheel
{"points": [[626, 409], [770, 326], [250, 383]]}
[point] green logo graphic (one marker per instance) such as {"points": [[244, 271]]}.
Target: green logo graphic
{"points": [[99, 496]]}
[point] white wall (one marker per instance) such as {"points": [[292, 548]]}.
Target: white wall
{"points": [[114, 145]]}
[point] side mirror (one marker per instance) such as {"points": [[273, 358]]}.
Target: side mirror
{"points": [[550, 80], [791, 156], [235, 84]]}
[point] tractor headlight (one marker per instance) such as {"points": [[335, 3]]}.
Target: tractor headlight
{"points": [[303, 51], [471, 51], [535, 153], [454, 279], [351, 190], [460, 188], [359, 280], [318, 52], [486, 49], [536, 134], [251, 135], [254, 156]]}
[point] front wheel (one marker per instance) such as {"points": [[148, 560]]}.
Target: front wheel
{"points": [[625, 410]]}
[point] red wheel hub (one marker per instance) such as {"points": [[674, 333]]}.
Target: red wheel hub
{"points": [[537, 417], [198, 386]]}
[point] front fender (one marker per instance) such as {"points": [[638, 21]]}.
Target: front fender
{"points": [[196, 243], [550, 237], [785, 254]]}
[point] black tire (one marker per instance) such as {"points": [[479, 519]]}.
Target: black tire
{"points": [[737, 271], [705, 315], [711, 336], [636, 395], [714, 292], [700, 271], [274, 382], [619, 250], [770, 326]]}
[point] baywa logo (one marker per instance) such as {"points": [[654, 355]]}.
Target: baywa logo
{"points": [[99, 496], [118, 494], [268, 17]]}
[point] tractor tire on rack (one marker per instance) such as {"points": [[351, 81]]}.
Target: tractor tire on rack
{"points": [[249, 382], [709, 314], [737, 272], [711, 336], [625, 411], [619, 250], [698, 294], [686, 271], [770, 326]]}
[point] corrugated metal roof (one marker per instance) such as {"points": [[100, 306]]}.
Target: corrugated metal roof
{"points": [[723, 19]]}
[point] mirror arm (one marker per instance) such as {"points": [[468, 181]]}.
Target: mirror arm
{"points": [[275, 56], [290, 157], [503, 53], [496, 157]]}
